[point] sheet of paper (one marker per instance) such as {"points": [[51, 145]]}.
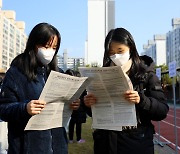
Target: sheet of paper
{"points": [[59, 90], [111, 111]]}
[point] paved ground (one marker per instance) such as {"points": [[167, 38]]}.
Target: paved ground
{"points": [[165, 149]]}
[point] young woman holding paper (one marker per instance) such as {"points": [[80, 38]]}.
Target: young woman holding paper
{"points": [[148, 97], [21, 89]]}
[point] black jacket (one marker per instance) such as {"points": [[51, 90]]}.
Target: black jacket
{"points": [[79, 115], [152, 106], [16, 92]]}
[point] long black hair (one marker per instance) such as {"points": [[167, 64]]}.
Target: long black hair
{"points": [[27, 62], [122, 36], [70, 72]]}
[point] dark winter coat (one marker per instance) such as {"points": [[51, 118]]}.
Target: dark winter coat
{"points": [[79, 115], [16, 92], [152, 106]]}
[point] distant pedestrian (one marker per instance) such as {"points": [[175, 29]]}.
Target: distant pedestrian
{"points": [[2, 74], [1, 80], [3, 127], [77, 117]]}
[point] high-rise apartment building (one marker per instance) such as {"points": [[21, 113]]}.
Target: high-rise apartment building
{"points": [[148, 49], [156, 49], [173, 42], [165, 48], [101, 19], [12, 37], [65, 62]]}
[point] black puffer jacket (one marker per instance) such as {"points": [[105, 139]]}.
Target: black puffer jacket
{"points": [[152, 106], [79, 115]]}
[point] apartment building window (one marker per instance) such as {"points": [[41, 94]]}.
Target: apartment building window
{"points": [[18, 51], [11, 35], [10, 55], [4, 52], [4, 66], [4, 63], [4, 57], [11, 50], [5, 21], [12, 28], [11, 44], [5, 42], [17, 32], [5, 31], [5, 36], [23, 45], [5, 47], [10, 60]]}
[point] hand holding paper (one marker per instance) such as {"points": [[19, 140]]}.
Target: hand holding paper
{"points": [[59, 92], [111, 110]]}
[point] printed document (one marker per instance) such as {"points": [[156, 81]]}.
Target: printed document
{"points": [[111, 110], [59, 91]]}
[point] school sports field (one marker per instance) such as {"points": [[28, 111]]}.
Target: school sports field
{"points": [[165, 129]]}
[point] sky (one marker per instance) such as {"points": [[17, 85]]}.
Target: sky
{"points": [[142, 18]]}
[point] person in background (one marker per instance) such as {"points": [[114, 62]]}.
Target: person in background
{"points": [[78, 116], [21, 89], [148, 97], [3, 125], [1, 81], [2, 74]]}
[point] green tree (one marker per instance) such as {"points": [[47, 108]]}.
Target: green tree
{"points": [[88, 65], [76, 66], [166, 80], [94, 64]]}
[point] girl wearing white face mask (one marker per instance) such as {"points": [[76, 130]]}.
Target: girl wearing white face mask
{"points": [[120, 50], [22, 86], [119, 53], [45, 54]]}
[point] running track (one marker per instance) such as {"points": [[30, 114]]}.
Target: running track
{"points": [[167, 129]]}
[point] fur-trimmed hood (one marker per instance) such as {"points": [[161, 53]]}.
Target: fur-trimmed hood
{"points": [[148, 62]]}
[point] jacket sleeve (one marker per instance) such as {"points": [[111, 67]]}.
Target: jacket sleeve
{"points": [[87, 109], [153, 100], [10, 108]]}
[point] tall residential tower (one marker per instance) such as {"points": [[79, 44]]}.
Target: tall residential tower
{"points": [[12, 37], [101, 19]]}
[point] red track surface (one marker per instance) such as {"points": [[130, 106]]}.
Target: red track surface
{"points": [[167, 129]]}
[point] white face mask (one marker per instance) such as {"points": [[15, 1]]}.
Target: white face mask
{"points": [[45, 55], [120, 59]]}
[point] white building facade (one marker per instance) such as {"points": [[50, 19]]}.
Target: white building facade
{"points": [[12, 37], [165, 48], [156, 49], [173, 42], [149, 49], [101, 19]]}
